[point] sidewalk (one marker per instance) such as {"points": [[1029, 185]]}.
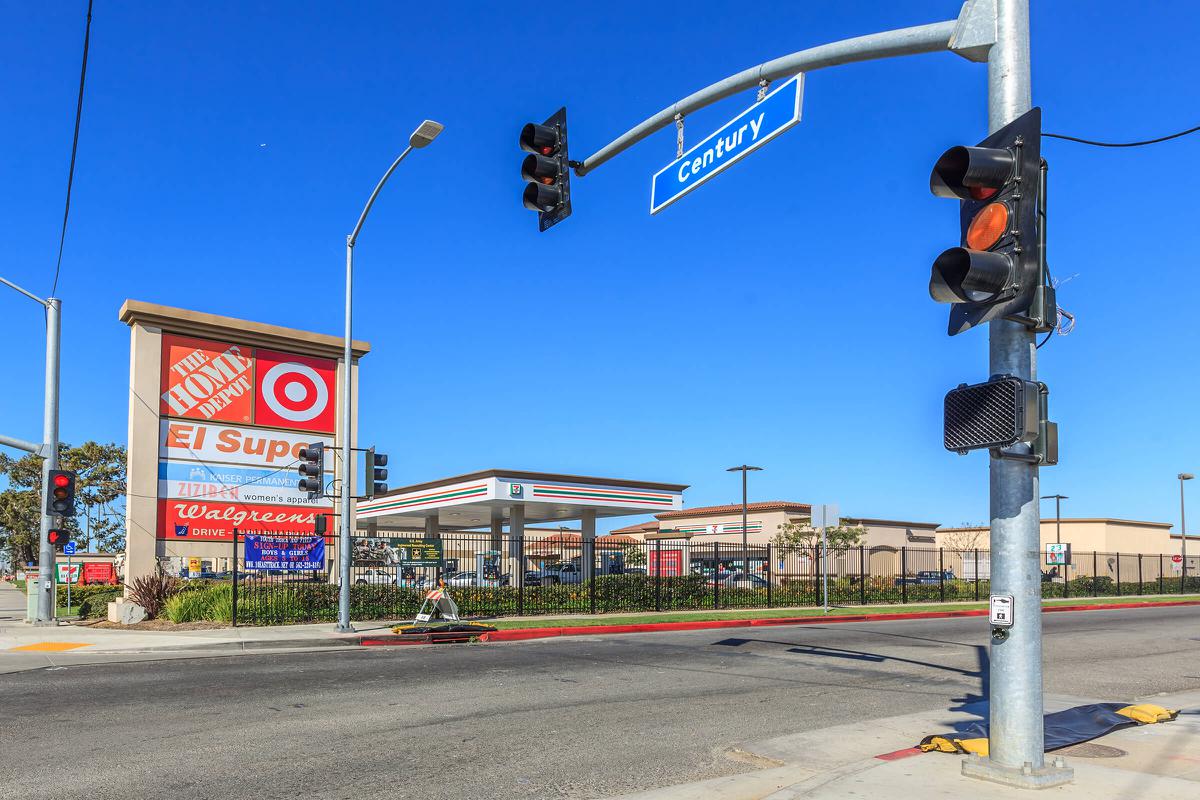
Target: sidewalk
{"points": [[1159, 761]]}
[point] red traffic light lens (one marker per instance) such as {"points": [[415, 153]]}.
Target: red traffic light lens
{"points": [[61, 480], [982, 192], [988, 226]]}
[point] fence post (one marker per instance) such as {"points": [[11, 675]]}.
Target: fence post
{"points": [[770, 603], [658, 574], [1160, 574], [1140, 574], [520, 575], [1095, 572], [862, 575], [716, 583], [1118, 574], [942, 573], [1066, 580], [977, 573], [904, 575], [235, 577]]}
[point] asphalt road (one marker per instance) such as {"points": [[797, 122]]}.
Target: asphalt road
{"points": [[566, 718]]}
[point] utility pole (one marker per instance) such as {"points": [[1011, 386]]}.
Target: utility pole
{"points": [[1183, 476]]}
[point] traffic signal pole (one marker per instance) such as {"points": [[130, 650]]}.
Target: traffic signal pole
{"points": [[47, 595], [995, 31]]}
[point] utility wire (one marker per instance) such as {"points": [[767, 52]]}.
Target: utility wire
{"points": [[87, 35], [1121, 144]]}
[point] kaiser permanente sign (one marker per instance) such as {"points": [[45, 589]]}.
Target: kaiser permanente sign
{"points": [[745, 133]]}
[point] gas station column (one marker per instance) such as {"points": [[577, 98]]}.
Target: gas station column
{"points": [[587, 529], [432, 530]]}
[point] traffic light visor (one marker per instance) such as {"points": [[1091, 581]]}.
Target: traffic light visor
{"points": [[539, 197], [988, 226], [960, 275], [971, 173], [539, 139]]}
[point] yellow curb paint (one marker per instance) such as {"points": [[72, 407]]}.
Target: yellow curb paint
{"points": [[49, 647]]}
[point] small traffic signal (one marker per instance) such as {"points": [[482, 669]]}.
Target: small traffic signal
{"points": [[998, 413], [58, 538], [312, 469], [61, 498], [375, 480], [548, 169], [998, 270]]}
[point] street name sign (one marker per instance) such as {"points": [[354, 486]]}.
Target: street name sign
{"points": [[733, 141]]}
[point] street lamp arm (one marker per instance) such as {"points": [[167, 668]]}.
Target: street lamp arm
{"points": [[28, 294], [371, 200]]}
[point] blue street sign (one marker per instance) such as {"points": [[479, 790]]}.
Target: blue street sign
{"points": [[69, 548], [733, 141]]}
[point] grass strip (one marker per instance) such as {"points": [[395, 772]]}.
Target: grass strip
{"points": [[775, 613]]}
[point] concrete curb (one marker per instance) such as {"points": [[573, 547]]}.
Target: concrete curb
{"points": [[518, 634]]}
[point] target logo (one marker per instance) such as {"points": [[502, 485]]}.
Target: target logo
{"points": [[294, 391]]}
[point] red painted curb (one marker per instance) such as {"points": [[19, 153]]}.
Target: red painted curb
{"points": [[517, 634]]}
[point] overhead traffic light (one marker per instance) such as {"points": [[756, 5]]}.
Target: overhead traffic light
{"points": [[312, 469], [58, 538], [60, 500], [998, 269], [548, 169], [376, 473]]}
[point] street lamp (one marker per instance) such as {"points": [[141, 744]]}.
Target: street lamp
{"points": [[1057, 498], [425, 133], [1183, 476], [744, 468]]}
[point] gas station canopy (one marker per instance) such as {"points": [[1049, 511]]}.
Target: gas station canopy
{"points": [[497, 497]]}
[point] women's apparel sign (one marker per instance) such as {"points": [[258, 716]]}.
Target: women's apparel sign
{"points": [[179, 480], [269, 551], [224, 382]]}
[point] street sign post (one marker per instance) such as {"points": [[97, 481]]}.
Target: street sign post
{"points": [[822, 517], [733, 141]]}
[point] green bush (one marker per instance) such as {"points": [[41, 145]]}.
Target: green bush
{"points": [[94, 604], [188, 606]]}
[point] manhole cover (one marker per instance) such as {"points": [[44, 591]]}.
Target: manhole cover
{"points": [[1090, 750]]}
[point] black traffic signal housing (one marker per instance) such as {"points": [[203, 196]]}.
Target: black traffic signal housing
{"points": [[547, 169], [58, 538], [60, 500], [376, 474], [312, 470], [999, 268], [998, 414]]}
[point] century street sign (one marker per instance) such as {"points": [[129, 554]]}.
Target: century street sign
{"points": [[733, 141]]}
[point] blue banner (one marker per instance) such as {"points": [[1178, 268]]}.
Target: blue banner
{"points": [[281, 551], [733, 141]]}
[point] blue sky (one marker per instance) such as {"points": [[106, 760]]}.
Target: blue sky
{"points": [[779, 315]]}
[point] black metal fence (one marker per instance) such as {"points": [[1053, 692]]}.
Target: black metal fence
{"points": [[497, 576]]}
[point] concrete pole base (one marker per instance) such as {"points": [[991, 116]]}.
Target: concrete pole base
{"points": [[1056, 773]]}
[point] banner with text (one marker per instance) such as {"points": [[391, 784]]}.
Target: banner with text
{"points": [[199, 481], [272, 551]]}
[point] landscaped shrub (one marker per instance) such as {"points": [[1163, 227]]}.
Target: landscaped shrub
{"points": [[151, 592], [186, 607], [94, 604]]}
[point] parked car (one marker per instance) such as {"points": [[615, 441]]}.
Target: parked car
{"points": [[738, 580], [469, 579], [635, 571], [928, 577], [375, 577], [566, 572]]}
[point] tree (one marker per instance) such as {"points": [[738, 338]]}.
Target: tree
{"points": [[635, 555], [802, 534], [965, 538], [99, 499]]}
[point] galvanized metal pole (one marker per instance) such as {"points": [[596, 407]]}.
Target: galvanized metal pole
{"points": [[47, 595], [825, 568], [1182, 539], [745, 532], [345, 550], [1015, 732]]}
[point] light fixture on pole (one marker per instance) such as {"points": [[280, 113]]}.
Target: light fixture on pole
{"points": [[425, 133], [1183, 476], [744, 468], [1057, 498]]}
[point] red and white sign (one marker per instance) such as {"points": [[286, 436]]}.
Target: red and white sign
{"points": [[231, 444], [665, 562], [295, 391], [214, 521], [206, 380], [1178, 559], [99, 572]]}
